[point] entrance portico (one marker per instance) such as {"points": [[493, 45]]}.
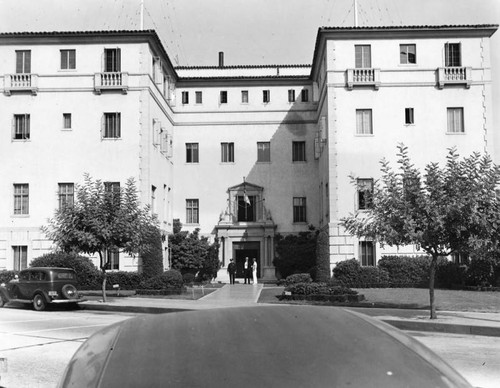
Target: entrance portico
{"points": [[246, 229]]}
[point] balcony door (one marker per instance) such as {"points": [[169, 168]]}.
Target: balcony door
{"points": [[112, 60]]}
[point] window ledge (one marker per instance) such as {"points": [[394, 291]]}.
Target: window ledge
{"points": [[299, 161], [364, 135], [20, 215], [456, 133], [263, 162], [300, 222]]}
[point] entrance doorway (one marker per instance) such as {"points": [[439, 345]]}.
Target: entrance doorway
{"points": [[243, 250]]}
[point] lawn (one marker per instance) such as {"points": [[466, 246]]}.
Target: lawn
{"points": [[446, 300]]}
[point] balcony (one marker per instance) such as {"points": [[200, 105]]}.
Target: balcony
{"points": [[363, 77], [455, 75], [111, 81], [21, 82]]}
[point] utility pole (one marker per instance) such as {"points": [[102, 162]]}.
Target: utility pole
{"points": [[142, 15], [355, 13]]}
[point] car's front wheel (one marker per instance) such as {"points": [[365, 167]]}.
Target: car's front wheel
{"points": [[39, 302]]}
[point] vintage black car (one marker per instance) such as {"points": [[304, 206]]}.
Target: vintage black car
{"points": [[41, 286]]}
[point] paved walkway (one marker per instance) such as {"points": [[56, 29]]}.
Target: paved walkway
{"points": [[239, 295]]}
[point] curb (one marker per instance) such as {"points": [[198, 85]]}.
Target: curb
{"points": [[444, 327], [130, 309]]}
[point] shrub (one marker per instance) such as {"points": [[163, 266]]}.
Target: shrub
{"points": [[298, 278], [351, 274], [170, 279], [318, 289], [126, 280], [322, 271], [407, 271], [6, 276], [296, 253], [89, 277], [450, 275], [481, 271], [188, 278], [151, 252]]}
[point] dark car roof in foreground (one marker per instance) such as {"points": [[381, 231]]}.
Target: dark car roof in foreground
{"points": [[263, 346]]}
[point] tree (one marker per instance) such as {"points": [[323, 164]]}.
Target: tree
{"points": [[192, 253], [103, 219], [447, 210]]}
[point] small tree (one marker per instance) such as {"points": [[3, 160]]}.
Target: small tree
{"points": [[192, 253], [102, 219], [450, 209]]}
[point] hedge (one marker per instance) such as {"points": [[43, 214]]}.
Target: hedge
{"points": [[350, 273], [171, 279], [7, 275]]}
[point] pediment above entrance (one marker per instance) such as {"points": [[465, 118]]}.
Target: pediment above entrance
{"points": [[245, 186]]}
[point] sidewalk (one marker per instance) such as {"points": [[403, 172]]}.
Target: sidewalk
{"points": [[239, 295]]}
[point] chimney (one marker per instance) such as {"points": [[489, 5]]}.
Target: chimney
{"points": [[221, 59]]}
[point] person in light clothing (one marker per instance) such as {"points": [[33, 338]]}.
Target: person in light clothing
{"points": [[254, 271]]}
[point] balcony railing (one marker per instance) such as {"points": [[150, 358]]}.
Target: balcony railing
{"points": [[363, 77], [21, 82], [111, 81], [454, 75]]}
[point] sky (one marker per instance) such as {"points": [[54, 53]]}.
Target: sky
{"points": [[250, 32]]}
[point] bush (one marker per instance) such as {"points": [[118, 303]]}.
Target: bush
{"points": [[298, 278], [170, 279], [318, 289], [295, 253], [481, 271], [350, 273], [406, 271], [188, 278], [126, 280], [6, 276], [151, 253], [450, 275], [89, 277]]}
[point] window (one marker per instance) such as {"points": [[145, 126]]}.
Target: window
{"points": [[112, 126], [66, 194], [21, 198], [363, 56], [192, 153], [298, 151], [247, 211], [460, 258], [112, 60], [23, 61], [291, 95], [68, 59], [299, 209], [407, 54], [153, 198], [223, 97], [112, 187], [304, 94], [113, 259], [227, 152], [365, 193], [452, 56], [21, 127], [456, 120], [67, 120], [409, 119], [244, 96], [263, 151], [199, 97], [266, 96], [364, 122], [192, 211], [20, 255], [367, 253], [185, 97]]}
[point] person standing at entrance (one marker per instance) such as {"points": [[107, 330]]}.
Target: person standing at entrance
{"points": [[246, 271], [254, 271], [231, 269]]}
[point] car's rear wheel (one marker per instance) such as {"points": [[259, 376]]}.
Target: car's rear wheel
{"points": [[39, 302], [69, 291]]}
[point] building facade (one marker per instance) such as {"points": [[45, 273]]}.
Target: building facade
{"points": [[240, 152]]}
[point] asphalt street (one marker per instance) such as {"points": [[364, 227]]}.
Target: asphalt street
{"points": [[35, 347]]}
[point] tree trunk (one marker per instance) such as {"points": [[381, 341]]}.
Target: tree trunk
{"points": [[104, 276], [432, 274]]}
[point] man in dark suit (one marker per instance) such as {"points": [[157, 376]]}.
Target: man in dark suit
{"points": [[231, 269], [247, 270]]}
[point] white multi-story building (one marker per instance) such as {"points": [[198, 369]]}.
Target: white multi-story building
{"points": [[240, 152]]}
